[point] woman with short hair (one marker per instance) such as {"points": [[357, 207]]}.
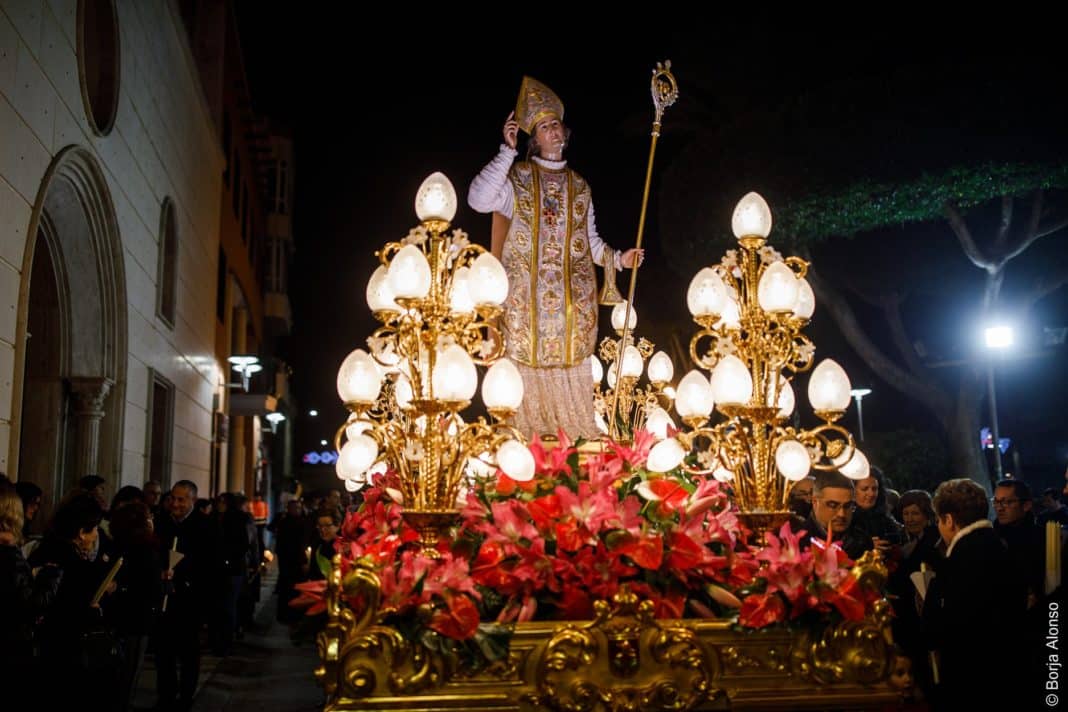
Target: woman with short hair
{"points": [[974, 608]]}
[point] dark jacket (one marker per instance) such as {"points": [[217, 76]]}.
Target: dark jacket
{"points": [[908, 631], [875, 522], [197, 576], [974, 611], [70, 613], [850, 543], [1026, 542], [292, 535], [240, 544], [1059, 515], [24, 598], [136, 602]]}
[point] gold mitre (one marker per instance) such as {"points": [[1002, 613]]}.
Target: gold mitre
{"points": [[536, 102]]}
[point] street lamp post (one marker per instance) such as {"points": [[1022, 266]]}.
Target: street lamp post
{"points": [[858, 395], [997, 338], [274, 418]]}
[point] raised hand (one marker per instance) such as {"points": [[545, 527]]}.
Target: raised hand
{"points": [[511, 130]]}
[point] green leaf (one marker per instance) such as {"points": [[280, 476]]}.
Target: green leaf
{"points": [[493, 640], [323, 564]]}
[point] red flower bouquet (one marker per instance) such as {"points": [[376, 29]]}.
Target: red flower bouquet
{"points": [[575, 533]]}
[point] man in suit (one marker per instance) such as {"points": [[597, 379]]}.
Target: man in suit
{"points": [[194, 582]]}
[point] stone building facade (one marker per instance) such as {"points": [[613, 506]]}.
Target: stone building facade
{"points": [[255, 242], [111, 173]]}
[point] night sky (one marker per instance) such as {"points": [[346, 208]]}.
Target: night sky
{"points": [[370, 124]]}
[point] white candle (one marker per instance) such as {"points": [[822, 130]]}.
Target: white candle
{"points": [[1053, 556]]}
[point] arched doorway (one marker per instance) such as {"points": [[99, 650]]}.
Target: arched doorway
{"points": [[70, 356]]}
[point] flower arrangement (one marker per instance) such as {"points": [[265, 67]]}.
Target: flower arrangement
{"points": [[577, 532]]}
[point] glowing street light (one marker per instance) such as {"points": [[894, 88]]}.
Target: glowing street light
{"points": [[997, 338], [858, 395], [313, 412], [245, 365]]}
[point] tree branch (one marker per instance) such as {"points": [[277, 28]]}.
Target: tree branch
{"points": [[920, 389], [1030, 240], [1036, 212], [992, 288], [1034, 232], [869, 297], [1052, 229], [1045, 287], [1006, 222], [964, 237], [892, 313]]}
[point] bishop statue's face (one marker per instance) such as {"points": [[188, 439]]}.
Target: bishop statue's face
{"points": [[550, 135]]}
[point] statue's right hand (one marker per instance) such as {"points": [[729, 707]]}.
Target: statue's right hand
{"points": [[511, 130]]}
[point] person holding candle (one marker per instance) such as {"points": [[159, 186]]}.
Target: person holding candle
{"points": [[872, 521], [194, 581], [327, 526], [923, 547], [975, 604], [320, 555], [74, 635]]}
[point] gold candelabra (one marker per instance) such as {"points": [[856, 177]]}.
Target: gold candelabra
{"points": [[437, 296], [665, 91], [751, 308], [623, 407]]}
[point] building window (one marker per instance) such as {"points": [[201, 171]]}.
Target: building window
{"points": [[98, 62], [220, 289], [167, 273], [160, 428]]}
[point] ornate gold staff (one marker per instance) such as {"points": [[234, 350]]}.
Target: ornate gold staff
{"points": [[665, 91]]}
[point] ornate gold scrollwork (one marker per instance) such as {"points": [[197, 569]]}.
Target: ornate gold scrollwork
{"points": [[623, 660], [360, 657], [851, 651], [749, 660]]}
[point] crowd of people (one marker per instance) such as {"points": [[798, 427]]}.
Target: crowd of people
{"points": [[104, 582], [966, 588], [166, 572]]}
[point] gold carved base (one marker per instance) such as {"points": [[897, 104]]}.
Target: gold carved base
{"points": [[622, 660], [760, 523]]}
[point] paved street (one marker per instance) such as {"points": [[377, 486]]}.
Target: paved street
{"points": [[265, 673]]}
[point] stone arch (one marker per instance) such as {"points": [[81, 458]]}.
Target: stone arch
{"points": [[75, 378]]}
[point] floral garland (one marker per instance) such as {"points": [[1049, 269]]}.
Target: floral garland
{"points": [[548, 548]]}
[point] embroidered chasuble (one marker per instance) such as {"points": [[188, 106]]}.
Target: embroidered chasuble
{"points": [[550, 315]]}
